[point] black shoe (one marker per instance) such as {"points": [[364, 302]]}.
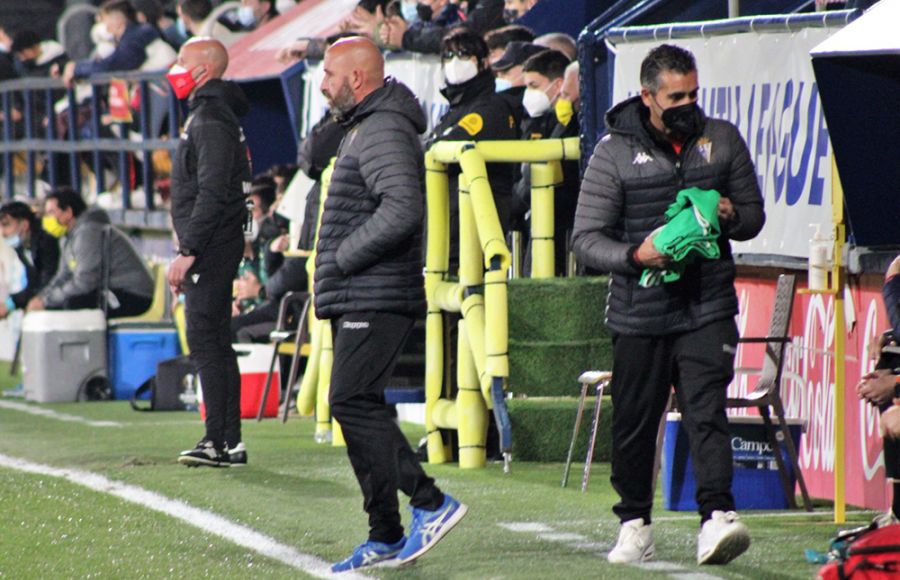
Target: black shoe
{"points": [[238, 456], [205, 453]]}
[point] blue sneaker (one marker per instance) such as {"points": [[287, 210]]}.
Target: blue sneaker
{"points": [[428, 527], [368, 554]]}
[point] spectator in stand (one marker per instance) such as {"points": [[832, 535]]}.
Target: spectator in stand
{"points": [[571, 90], [476, 113], [881, 388], [91, 248], [36, 249], [151, 12], [196, 16], [515, 9], [365, 13], [134, 44], [36, 57], [510, 82], [498, 40], [7, 63], [251, 15], [481, 18], [544, 74], [559, 41]]}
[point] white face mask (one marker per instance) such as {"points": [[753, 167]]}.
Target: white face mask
{"points": [[501, 85], [246, 16], [458, 71], [536, 102]]}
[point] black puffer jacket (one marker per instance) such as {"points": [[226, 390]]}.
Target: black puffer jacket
{"points": [[369, 254], [630, 181], [210, 169]]}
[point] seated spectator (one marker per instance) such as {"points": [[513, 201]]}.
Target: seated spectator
{"points": [[515, 9], [37, 250], [134, 44], [251, 15], [256, 324], [497, 40], [559, 41], [36, 57], [571, 90], [477, 113], [481, 18], [198, 19], [7, 63], [151, 12], [79, 282], [544, 77], [510, 78]]}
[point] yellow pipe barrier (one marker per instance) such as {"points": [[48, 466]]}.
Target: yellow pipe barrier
{"points": [[437, 260], [496, 337], [542, 230], [472, 414], [487, 222], [473, 314], [326, 362], [444, 414], [306, 398], [537, 151], [448, 296]]}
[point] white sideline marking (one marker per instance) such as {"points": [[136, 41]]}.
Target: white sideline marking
{"points": [[206, 521], [662, 566], [51, 414], [562, 537], [534, 527]]}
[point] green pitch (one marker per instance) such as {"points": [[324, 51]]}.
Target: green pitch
{"points": [[304, 495]]}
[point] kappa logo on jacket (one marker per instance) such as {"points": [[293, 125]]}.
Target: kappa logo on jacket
{"points": [[355, 325], [642, 158]]}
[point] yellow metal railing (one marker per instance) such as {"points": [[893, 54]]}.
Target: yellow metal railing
{"points": [[480, 294]]}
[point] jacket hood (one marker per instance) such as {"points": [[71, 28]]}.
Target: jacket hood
{"points": [[482, 83], [228, 91], [92, 215], [393, 97]]}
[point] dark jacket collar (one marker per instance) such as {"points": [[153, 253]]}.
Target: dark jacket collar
{"points": [[483, 83]]}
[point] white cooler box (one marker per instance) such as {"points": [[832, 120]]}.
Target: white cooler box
{"points": [[61, 352]]}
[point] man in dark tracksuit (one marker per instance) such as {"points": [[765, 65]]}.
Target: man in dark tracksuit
{"points": [[369, 284], [477, 113], [210, 175], [681, 333]]}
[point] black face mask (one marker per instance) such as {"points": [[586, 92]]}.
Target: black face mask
{"points": [[683, 121], [424, 12], [510, 16]]}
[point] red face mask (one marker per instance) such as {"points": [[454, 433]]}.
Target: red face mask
{"points": [[182, 81]]}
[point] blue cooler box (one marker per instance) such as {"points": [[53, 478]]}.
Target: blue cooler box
{"points": [[134, 351], [757, 483]]}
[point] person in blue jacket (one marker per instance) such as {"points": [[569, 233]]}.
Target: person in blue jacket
{"points": [[132, 40]]}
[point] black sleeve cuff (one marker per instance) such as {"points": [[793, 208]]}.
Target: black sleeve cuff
{"points": [[630, 257]]}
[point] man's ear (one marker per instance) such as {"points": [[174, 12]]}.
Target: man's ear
{"points": [[646, 97]]}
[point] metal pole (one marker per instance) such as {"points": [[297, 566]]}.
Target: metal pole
{"points": [[840, 336], [734, 8]]}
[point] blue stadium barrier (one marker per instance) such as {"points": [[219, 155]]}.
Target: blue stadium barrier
{"points": [[37, 132]]}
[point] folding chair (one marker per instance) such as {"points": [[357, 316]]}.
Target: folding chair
{"points": [[288, 327], [766, 396]]}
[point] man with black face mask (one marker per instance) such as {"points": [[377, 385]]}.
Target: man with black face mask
{"points": [[681, 333]]}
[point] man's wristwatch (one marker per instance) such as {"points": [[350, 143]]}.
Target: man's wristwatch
{"points": [[186, 252]]}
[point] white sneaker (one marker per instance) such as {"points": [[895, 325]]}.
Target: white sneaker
{"points": [[886, 519], [722, 539], [635, 543]]}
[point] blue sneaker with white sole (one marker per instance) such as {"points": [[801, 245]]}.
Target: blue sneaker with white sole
{"points": [[369, 554], [428, 527]]}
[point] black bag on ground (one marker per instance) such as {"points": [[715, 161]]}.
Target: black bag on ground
{"points": [[174, 388]]}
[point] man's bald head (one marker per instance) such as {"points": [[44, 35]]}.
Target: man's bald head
{"points": [[354, 68], [208, 53]]}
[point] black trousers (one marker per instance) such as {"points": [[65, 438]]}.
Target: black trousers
{"points": [[129, 304], [366, 347], [699, 364], [207, 291]]}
